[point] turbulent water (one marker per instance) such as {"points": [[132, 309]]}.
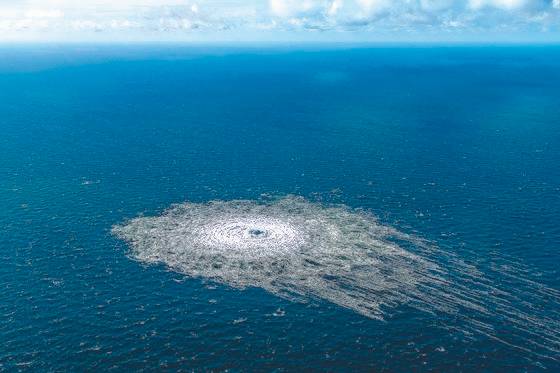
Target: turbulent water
{"points": [[298, 249]]}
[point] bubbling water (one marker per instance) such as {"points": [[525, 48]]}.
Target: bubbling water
{"points": [[250, 235], [301, 250]]}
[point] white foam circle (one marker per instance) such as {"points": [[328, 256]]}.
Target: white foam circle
{"points": [[253, 235]]}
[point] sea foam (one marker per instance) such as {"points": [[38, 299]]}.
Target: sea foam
{"points": [[302, 250]]}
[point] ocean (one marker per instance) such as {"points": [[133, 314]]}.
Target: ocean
{"points": [[435, 170]]}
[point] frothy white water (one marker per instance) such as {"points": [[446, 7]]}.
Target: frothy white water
{"points": [[248, 235], [300, 250]]}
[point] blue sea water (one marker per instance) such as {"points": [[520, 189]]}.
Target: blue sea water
{"points": [[457, 145]]}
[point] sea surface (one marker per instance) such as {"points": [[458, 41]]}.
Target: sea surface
{"points": [[456, 145]]}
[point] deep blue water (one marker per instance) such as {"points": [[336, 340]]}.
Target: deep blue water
{"points": [[458, 145]]}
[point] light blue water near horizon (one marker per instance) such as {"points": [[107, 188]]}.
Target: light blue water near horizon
{"points": [[457, 145]]}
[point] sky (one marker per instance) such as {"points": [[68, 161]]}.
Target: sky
{"points": [[281, 20]]}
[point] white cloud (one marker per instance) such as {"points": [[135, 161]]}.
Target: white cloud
{"points": [[374, 6], [252, 17], [290, 8], [43, 13], [335, 7], [86, 25], [281, 8], [8, 13]]}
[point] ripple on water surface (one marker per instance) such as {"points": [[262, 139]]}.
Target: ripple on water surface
{"points": [[301, 250]]}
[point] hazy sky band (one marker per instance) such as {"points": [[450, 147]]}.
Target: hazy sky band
{"points": [[283, 20]]}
